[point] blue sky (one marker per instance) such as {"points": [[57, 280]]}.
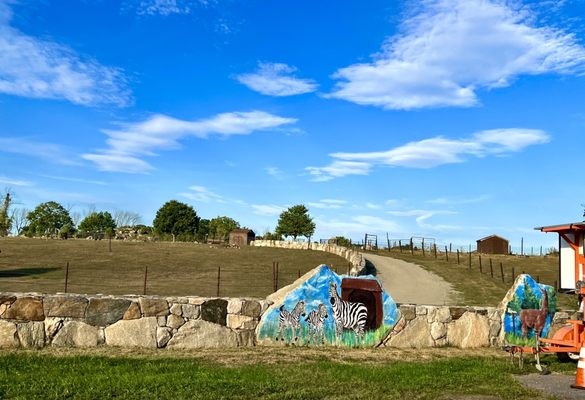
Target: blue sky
{"points": [[452, 119]]}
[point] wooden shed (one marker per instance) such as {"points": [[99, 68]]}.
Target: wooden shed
{"points": [[241, 237], [493, 244], [367, 292]]}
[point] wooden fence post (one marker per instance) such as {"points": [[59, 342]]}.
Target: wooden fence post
{"points": [[411, 248], [502, 272], [469, 260], [145, 278], [218, 279], [446, 254], [513, 275], [435, 249], [400, 245], [491, 269], [480, 266]]}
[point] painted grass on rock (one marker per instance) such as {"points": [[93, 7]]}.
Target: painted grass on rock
{"points": [[41, 376]]}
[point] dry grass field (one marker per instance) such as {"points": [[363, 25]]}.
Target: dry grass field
{"points": [[173, 268], [479, 287]]}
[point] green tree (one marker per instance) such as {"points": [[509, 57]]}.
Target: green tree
{"points": [[5, 219], [175, 218], [295, 222], [342, 241], [98, 222], [48, 218], [202, 229], [220, 227]]}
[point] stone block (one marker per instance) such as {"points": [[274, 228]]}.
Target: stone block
{"points": [[31, 334], [198, 334], [65, 306], [235, 306], [105, 311], [439, 314], [153, 307], [174, 321], [26, 309], [416, 334], [7, 299], [52, 326], [133, 311], [133, 333], [457, 312], [161, 321], [8, 336], [438, 330], [408, 312], [251, 308], [176, 309], [421, 310], [76, 334], [470, 331], [241, 322], [163, 335], [191, 311], [215, 311], [246, 338]]}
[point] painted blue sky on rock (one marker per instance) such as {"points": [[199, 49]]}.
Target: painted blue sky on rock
{"points": [[452, 119]]}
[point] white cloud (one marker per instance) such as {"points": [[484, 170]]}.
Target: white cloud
{"points": [[275, 172], [448, 49], [14, 182], [458, 201], [268, 210], [201, 193], [422, 217], [275, 79], [357, 225], [73, 179], [327, 204], [433, 152], [51, 152], [35, 68], [160, 132], [373, 206], [168, 7]]}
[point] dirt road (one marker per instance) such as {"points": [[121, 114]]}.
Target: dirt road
{"points": [[410, 283]]}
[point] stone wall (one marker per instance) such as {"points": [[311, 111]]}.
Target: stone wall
{"points": [[354, 257], [34, 320]]}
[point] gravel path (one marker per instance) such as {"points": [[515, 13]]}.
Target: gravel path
{"points": [[410, 283], [555, 384]]}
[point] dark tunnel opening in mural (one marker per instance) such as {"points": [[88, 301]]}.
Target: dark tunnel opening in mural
{"points": [[367, 292]]}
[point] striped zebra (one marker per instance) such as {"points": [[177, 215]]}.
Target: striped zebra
{"points": [[316, 323], [347, 315], [288, 319]]}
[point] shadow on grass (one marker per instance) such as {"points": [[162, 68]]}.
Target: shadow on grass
{"points": [[21, 272]]}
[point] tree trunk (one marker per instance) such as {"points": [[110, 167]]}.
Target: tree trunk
{"points": [[173, 237]]}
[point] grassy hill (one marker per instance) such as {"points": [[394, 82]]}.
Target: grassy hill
{"points": [[173, 268]]}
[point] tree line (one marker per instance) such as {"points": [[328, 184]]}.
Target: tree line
{"points": [[174, 220]]}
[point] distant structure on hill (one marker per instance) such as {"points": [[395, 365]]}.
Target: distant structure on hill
{"points": [[241, 237], [493, 244]]}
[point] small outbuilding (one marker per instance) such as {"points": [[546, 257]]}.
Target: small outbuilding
{"points": [[241, 237], [493, 244]]}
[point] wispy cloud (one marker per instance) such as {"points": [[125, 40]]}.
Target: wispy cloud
{"points": [[327, 204], [422, 216], [167, 7], [274, 172], [268, 210], [357, 225], [430, 153], [36, 68], [159, 132], [448, 49], [14, 182], [276, 79], [201, 193], [458, 201], [51, 152], [76, 180]]}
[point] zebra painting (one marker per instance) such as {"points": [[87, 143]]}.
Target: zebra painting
{"points": [[316, 323], [288, 319], [347, 315]]}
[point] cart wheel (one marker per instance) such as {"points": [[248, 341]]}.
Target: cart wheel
{"points": [[568, 357]]}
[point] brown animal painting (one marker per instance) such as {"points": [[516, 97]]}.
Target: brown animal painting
{"points": [[535, 319]]}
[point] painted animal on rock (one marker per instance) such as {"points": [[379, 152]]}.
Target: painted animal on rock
{"points": [[535, 319], [288, 319], [347, 315], [316, 323]]}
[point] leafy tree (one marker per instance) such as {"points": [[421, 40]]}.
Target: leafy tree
{"points": [[19, 220], [295, 222], [126, 218], [47, 218], [98, 222], [271, 236], [5, 219], [342, 241], [202, 229], [220, 227], [66, 231], [176, 218]]}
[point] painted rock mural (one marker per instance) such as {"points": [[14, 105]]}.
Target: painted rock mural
{"points": [[528, 311], [323, 308]]}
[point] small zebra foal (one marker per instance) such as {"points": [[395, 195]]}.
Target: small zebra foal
{"points": [[347, 315], [316, 323], [288, 319]]}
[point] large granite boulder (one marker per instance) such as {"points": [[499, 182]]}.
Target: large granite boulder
{"points": [[313, 291], [65, 306], [416, 334], [215, 310], [197, 334], [76, 334], [31, 334], [8, 336], [105, 311], [25, 309], [470, 331], [133, 333]]}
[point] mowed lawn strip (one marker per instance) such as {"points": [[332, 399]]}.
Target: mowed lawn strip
{"points": [[480, 289], [173, 268], [42, 375]]}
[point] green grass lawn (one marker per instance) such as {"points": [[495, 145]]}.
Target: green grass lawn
{"points": [[479, 288], [173, 268], [289, 373]]}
